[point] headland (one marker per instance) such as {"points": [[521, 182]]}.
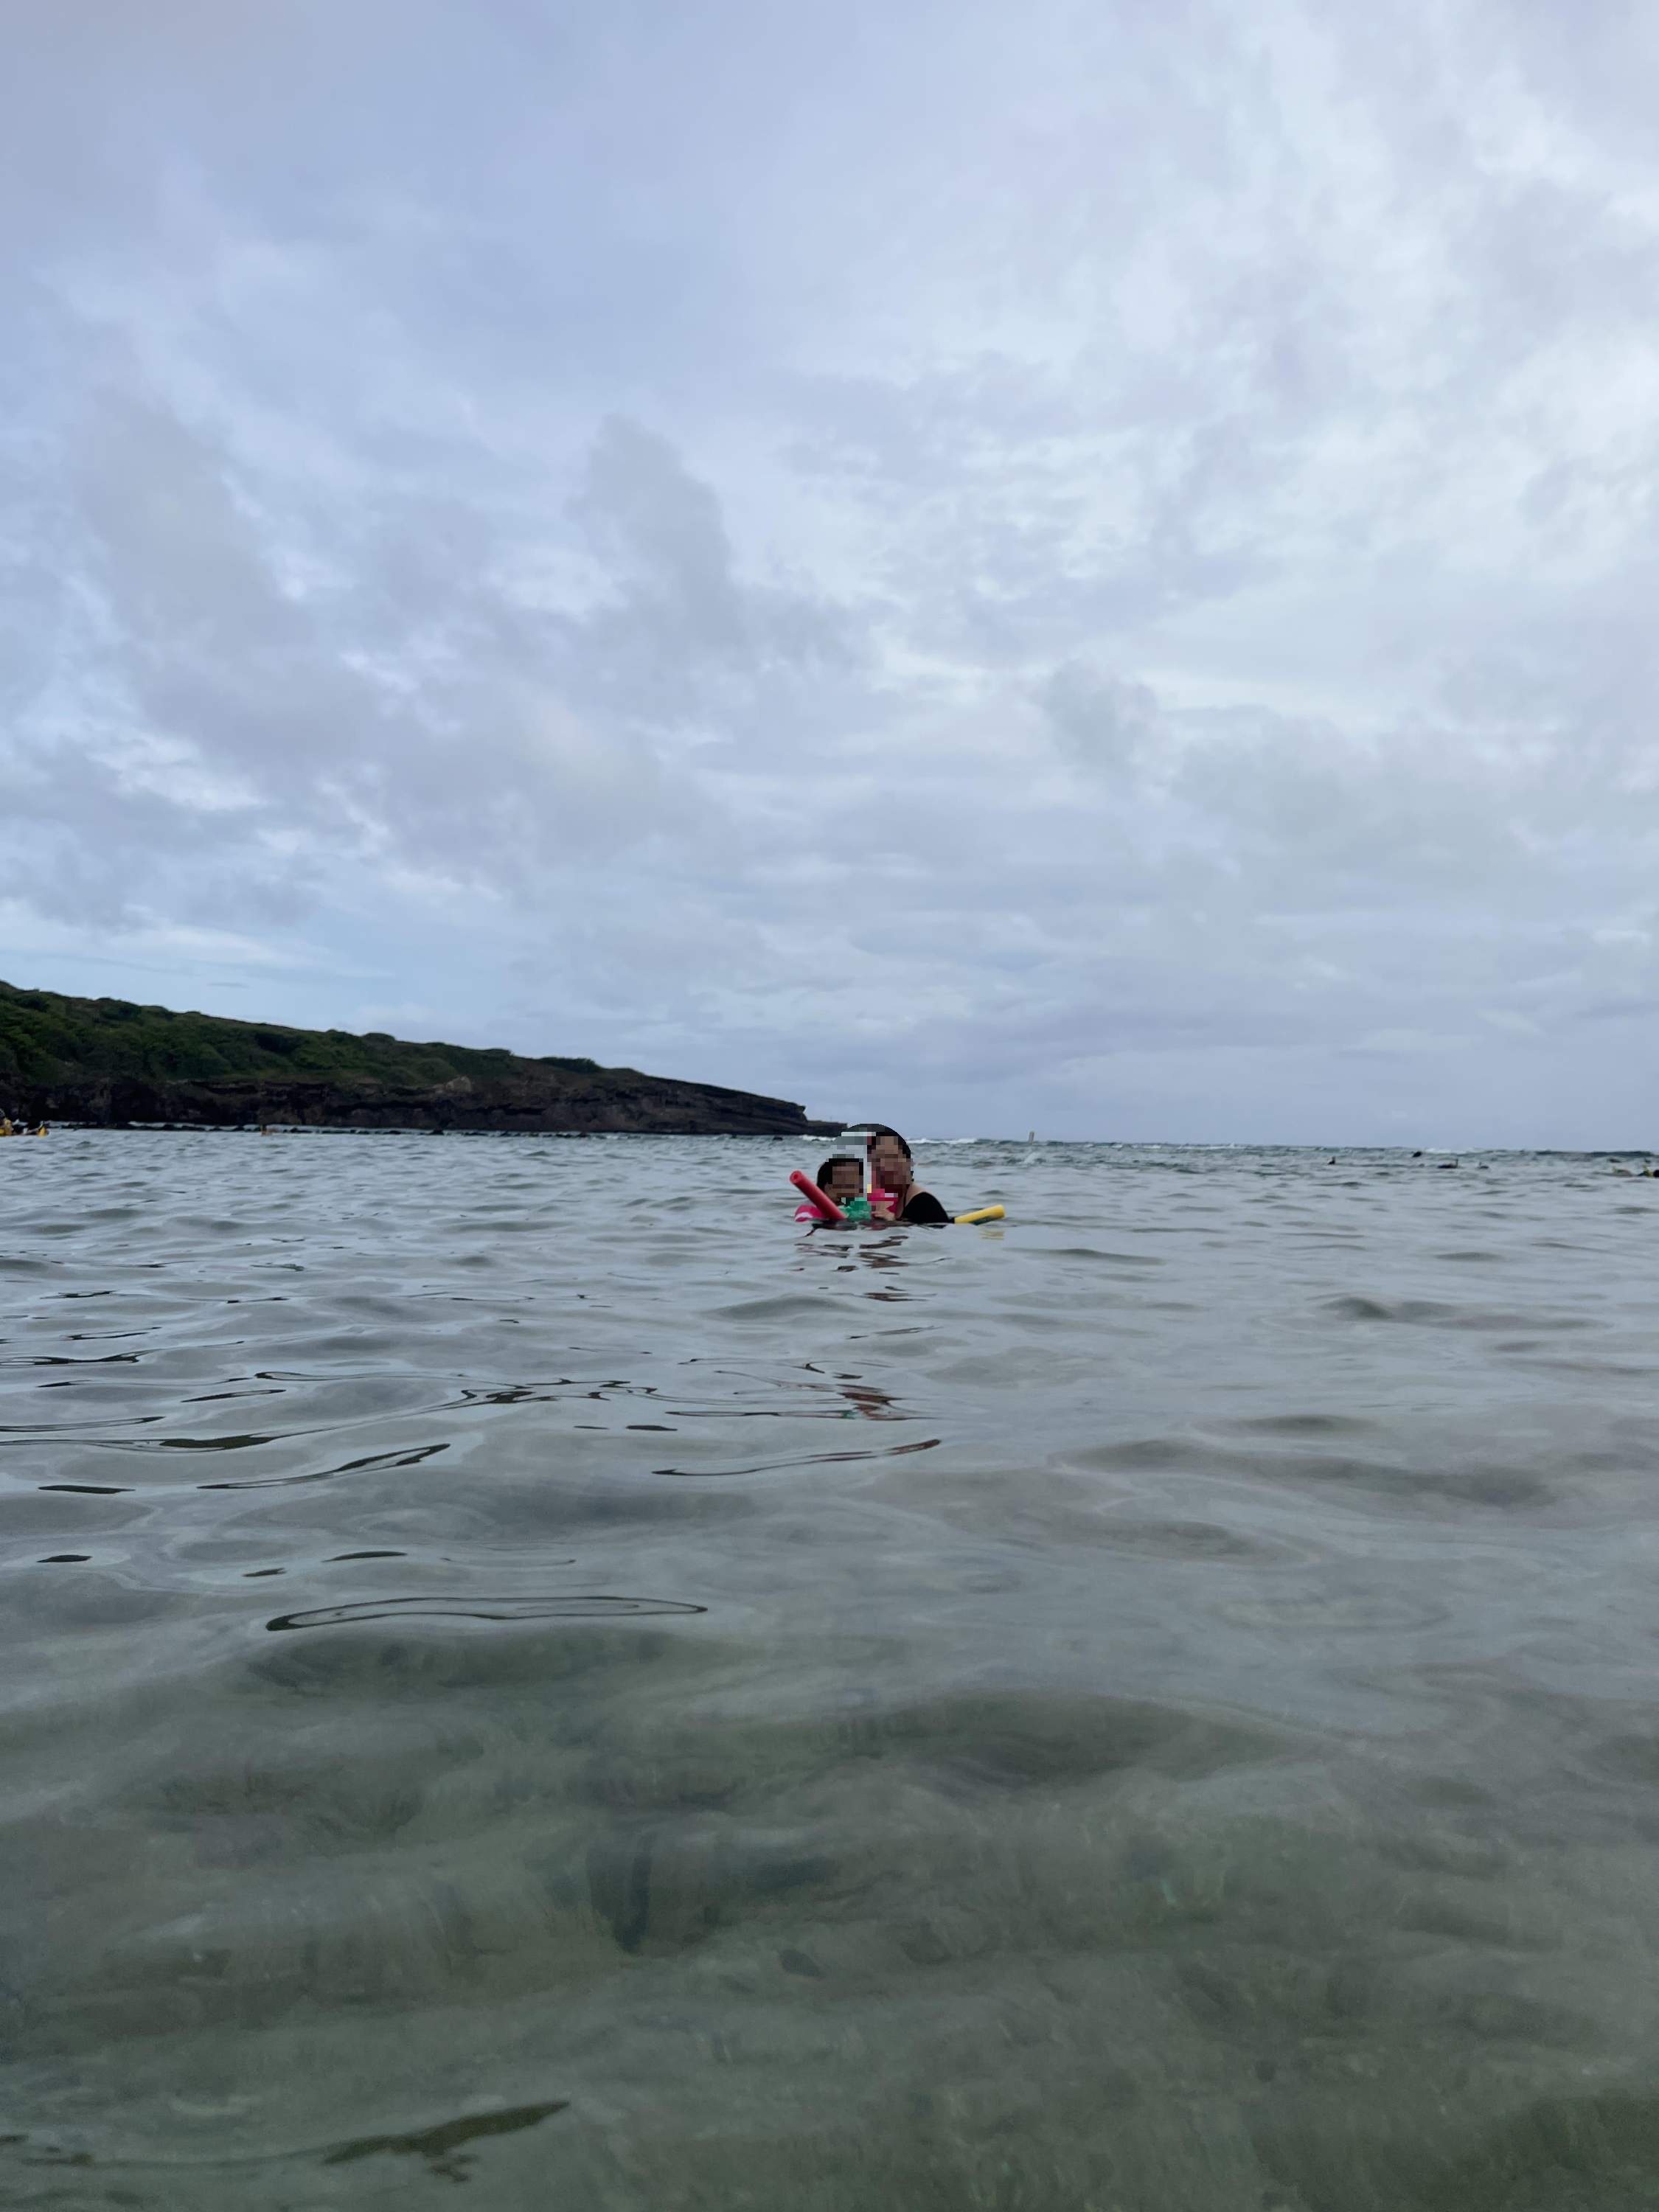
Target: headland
{"points": [[112, 1064]]}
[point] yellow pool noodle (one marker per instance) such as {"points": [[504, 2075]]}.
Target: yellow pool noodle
{"points": [[985, 1213]]}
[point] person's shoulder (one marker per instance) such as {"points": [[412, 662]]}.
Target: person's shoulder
{"points": [[922, 1206]]}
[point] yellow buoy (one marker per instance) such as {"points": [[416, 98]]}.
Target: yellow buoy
{"points": [[984, 1213]]}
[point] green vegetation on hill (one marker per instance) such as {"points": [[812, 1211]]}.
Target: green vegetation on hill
{"points": [[42, 1035], [108, 1061]]}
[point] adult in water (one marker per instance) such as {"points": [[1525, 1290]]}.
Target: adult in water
{"points": [[890, 1170]]}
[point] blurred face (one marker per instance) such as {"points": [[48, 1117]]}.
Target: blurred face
{"points": [[845, 1181], [891, 1167]]}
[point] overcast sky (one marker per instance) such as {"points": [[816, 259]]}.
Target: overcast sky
{"points": [[1081, 565]]}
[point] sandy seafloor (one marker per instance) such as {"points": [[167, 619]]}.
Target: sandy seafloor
{"points": [[521, 1668]]}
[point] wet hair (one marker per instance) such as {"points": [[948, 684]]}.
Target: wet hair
{"points": [[841, 1160], [882, 1130]]}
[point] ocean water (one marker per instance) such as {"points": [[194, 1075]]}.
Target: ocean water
{"points": [[521, 1668]]}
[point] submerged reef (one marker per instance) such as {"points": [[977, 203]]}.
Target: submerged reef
{"points": [[111, 1063]]}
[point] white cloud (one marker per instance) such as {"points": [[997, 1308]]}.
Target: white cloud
{"points": [[1092, 568], [1409, 1043]]}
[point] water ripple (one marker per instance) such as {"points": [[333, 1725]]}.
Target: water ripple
{"points": [[1208, 1760]]}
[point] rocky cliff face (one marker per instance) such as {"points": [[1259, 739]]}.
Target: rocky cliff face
{"points": [[109, 1062]]}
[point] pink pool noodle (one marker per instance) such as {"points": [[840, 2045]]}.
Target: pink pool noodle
{"points": [[809, 1190]]}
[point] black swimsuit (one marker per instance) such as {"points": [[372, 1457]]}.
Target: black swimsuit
{"points": [[924, 1208]]}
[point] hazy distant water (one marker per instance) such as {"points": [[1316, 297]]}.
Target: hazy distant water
{"points": [[520, 1667]]}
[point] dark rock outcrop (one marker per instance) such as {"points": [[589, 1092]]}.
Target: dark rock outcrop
{"points": [[107, 1061]]}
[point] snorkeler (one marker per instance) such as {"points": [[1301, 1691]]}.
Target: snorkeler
{"points": [[890, 1171], [841, 1179]]}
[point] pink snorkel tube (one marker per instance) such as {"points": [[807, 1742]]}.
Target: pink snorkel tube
{"points": [[827, 1210]]}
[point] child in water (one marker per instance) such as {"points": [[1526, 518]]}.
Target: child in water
{"points": [[841, 1179]]}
